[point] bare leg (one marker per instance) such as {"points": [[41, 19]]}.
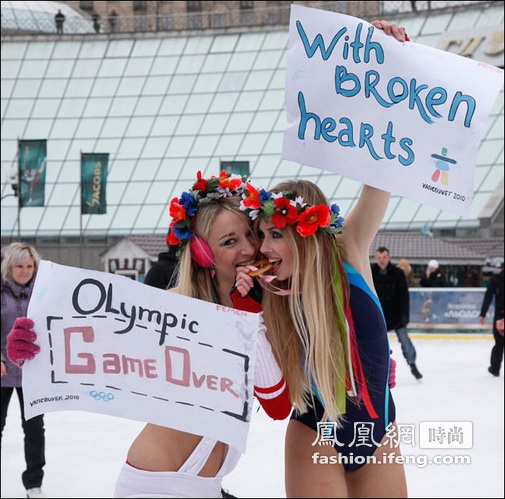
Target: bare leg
{"points": [[304, 478], [386, 479]]}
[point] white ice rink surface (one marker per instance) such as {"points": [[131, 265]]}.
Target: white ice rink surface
{"points": [[85, 451]]}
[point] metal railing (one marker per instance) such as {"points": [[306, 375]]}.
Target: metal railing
{"points": [[43, 23]]}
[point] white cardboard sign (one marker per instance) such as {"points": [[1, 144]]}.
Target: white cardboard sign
{"points": [[401, 117], [115, 346]]}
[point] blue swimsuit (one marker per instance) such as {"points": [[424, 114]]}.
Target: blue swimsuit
{"points": [[373, 344]]}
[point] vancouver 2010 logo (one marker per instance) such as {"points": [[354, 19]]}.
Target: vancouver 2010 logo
{"points": [[442, 166]]}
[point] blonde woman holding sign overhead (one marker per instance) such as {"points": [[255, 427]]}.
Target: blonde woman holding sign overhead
{"points": [[327, 329]]}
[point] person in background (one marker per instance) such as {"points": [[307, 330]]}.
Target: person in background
{"points": [[160, 274], [19, 267], [407, 270], [59, 19], [113, 20], [495, 290], [393, 292], [95, 17], [434, 277]]}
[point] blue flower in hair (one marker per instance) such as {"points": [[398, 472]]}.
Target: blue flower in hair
{"points": [[188, 202], [339, 222], [182, 233], [264, 195], [336, 220], [335, 209]]}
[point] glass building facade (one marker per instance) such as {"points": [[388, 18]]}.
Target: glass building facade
{"points": [[167, 106]]}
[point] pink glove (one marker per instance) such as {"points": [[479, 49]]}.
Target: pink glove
{"points": [[392, 371], [20, 340]]}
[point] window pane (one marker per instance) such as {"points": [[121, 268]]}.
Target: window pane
{"points": [[114, 67], [131, 86], [64, 128], [207, 83], [189, 125], [25, 88], [164, 126], [139, 127], [97, 107], [155, 147], [52, 88], [107, 87], [71, 108], [79, 88], [114, 127], [59, 69], [138, 66], [215, 62], [89, 128], [147, 170]]}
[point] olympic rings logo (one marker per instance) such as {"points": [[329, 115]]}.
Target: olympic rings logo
{"points": [[101, 395]]}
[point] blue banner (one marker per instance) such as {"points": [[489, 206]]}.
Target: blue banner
{"points": [[447, 306]]}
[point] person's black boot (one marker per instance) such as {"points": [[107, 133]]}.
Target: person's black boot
{"points": [[225, 493], [415, 371], [493, 372]]}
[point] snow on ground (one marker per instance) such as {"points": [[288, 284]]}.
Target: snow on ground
{"points": [[85, 451]]}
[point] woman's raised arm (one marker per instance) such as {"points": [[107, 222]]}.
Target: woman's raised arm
{"points": [[362, 224]]}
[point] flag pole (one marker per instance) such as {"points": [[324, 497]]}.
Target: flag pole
{"points": [[80, 212], [19, 192]]}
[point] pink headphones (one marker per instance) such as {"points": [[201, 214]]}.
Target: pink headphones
{"points": [[201, 252]]}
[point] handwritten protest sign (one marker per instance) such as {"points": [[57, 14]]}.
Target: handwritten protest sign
{"points": [[401, 117], [115, 346]]}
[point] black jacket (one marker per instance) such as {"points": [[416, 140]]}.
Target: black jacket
{"points": [[161, 272], [393, 292], [494, 289], [436, 280]]}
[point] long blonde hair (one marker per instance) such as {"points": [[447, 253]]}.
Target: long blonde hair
{"points": [[303, 327], [194, 280]]}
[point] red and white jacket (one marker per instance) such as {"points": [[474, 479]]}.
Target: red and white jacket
{"points": [[270, 387]]}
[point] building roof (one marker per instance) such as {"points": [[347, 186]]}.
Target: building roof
{"points": [[416, 248], [491, 247], [151, 244]]}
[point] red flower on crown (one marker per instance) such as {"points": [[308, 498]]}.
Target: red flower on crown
{"points": [[201, 183], [252, 200], [172, 238], [287, 213], [226, 182], [312, 218], [176, 210]]}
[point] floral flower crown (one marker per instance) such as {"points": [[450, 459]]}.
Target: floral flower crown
{"points": [[288, 208], [184, 209]]}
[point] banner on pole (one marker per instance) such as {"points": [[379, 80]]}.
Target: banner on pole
{"points": [[93, 183], [115, 346], [32, 172], [402, 117]]}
